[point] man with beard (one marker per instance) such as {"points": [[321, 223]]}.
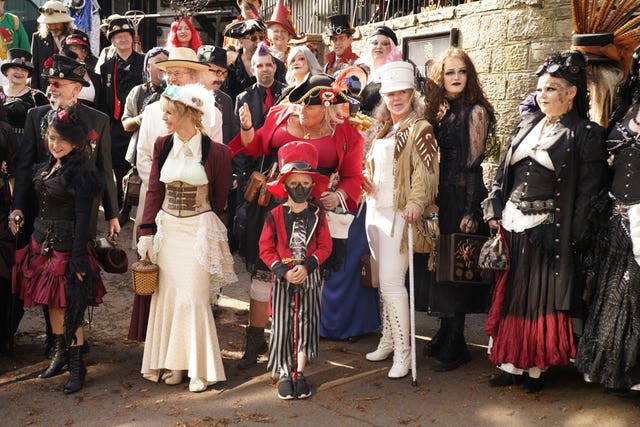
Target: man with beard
{"points": [[213, 79], [257, 99], [54, 26], [249, 32]]}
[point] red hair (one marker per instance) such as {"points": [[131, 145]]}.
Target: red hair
{"points": [[172, 40]]}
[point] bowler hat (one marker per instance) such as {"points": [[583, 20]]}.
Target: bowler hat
{"points": [[215, 55], [17, 58]]}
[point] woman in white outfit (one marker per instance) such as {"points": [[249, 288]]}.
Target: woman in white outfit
{"points": [[181, 232], [402, 167]]}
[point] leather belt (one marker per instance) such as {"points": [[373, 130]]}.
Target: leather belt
{"points": [[535, 206], [181, 200]]}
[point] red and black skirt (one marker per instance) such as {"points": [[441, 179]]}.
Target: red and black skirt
{"points": [[41, 279]]}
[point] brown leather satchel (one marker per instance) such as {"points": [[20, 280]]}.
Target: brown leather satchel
{"points": [[111, 257], [257, 181], [131, 184], [369, 277], [458, 259]]}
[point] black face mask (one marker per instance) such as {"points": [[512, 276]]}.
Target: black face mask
{"points": [[298, 194]]}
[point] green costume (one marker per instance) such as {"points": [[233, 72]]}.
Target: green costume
{"points": [[12, 35]]}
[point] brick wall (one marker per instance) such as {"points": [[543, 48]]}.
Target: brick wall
{"points": [[506, 39]]}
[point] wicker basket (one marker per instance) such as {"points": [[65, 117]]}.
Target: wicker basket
{"points": [[145, 277]]}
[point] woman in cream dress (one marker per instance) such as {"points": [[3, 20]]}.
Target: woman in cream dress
{"points": [[181, 232]]}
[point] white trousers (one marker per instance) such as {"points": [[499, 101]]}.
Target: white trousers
{"points": [[385, 248]]}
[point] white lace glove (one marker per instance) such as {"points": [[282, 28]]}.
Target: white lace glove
{"points": [[634, 230], [145, 248]]}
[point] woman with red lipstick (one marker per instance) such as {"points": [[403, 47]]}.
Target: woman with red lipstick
{"points": [[462, 133], [183, 34], [542, 198]]}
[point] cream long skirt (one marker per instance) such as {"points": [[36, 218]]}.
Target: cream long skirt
{"points": [[181, 333]]}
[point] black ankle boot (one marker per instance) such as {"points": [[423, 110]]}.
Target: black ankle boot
{"points": [[59, 358], [504, 379], [454, 351], [533, 385], [255, 345], [77, 371]]}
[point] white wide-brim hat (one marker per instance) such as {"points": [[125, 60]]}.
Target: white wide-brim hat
{"points": [[53, 12], [182, 57], [397, 75]]}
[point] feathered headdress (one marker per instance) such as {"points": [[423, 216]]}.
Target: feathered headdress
{"points": [[593, 19]]}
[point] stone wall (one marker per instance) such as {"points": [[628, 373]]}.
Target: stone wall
{"points": [[506, 39]]}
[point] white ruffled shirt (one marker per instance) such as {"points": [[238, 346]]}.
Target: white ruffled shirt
{"points": [[183, 162]]}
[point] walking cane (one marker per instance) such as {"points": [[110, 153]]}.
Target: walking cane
{"points": [[12, 298], [296, 307], [412, 312]]}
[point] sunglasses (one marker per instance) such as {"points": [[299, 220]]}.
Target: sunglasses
{"points": [[49, 11], [58, 84], [254, 38], [157, 51], [219, 73]]}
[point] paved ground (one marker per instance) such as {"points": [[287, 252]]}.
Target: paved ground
{"points": [[349, 389]]}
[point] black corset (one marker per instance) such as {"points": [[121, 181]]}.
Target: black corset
{"points": [[625, 186], [531, 181]]}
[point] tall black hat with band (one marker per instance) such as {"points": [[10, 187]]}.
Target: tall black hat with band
{"points": [[120, 25], [215, 55], [247, 27], [17, 58], [339, 24], [63, 67], [319, 89]]}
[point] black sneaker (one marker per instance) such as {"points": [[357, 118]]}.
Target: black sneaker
{"points": [[302, 388], [285, 388]]}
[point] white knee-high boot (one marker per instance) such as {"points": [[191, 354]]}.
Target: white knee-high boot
{"points": [[398, 311], [385, 346]]}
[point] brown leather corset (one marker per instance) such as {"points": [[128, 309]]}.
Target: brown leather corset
{"points": [[183, 200]]}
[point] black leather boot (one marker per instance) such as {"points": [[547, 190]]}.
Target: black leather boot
{"points": [[48, 341], [77, 371], [454, 351], [433, 347], [255, 345], [59, 357]]}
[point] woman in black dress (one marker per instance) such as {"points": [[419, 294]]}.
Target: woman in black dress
{"points": [[462, 133], [58, 267], [609, 350], [542, 197]]}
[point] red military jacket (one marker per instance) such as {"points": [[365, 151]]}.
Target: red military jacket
{"points": [[274, 240]]}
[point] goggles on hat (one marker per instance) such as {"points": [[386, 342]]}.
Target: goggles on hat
{"points": [[50, 11], [301, 166], [157, 51], [572, 64]]}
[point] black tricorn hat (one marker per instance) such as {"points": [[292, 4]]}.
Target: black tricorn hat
{"points": [[63, 67], [317, 90], [17, 58], [215, 55], [120, 25], [339, 24], [243, 28]]}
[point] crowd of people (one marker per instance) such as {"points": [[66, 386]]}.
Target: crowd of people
{"points": [[260, 147]]}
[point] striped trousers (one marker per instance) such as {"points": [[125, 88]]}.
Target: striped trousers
{"points": [[282, 303]]}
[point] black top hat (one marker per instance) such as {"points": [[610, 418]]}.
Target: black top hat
{"points": [[385, 31], [63, 67], [17, 58], [339, 24], [119, 25], [213, 55], [597, 47], [317, 90], [243, 28]]}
